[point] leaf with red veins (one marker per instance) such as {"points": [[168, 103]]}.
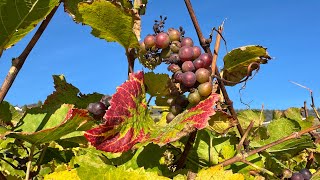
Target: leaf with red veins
{"points": [[127, 122], [186, 122]]}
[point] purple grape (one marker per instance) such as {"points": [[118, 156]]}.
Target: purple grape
{"points": [[162, 40], [306, 173], [196, 52], [206, 58], [97, 108], [198, 63], [149, 41], [297, 176], [178, 76], [185, 53], [188, 66], [186, 41], [188, 79]]}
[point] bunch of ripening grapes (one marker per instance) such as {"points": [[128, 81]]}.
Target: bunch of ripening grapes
{"points": [[190, 67]]}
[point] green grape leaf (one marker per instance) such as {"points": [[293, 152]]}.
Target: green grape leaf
{"points": [[217, 173], [63, 175], [19, 17], [273, 164], [236, 62], [277, 114], [122, 173], [294, 114], [280, 128], [109, 20], [221, 122], [246, 116], [128, 121], [209, 150], [38, 128], [157, 84], [8, 114], [60, 156], [66, 93]]}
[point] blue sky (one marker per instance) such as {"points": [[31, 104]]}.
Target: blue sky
{"points": [[289, 29]]}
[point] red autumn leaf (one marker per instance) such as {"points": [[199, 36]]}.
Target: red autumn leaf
{"points": [[128, 120], [186, 122]]}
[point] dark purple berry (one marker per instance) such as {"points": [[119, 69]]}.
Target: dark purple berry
{"points": [[188, 66], [306, 174], [185, 53], [188, 79], [186, 41], [162, 40]]}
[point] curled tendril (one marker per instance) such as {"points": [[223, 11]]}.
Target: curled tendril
{"points": [[250, 69]]}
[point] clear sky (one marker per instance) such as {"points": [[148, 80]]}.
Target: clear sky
{"points": [[290, 29]]}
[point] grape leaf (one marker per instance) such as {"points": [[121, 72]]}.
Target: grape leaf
{"points": [[8, 114], [294, 114], [66, 93], [156, 84], [217, 173], [128, 120], [209, 150], [236, 62], [19, 17], [36, 129], [108, 20], [63, 175], [186, 122], [280, 128], [221, 122], [246, 116]]}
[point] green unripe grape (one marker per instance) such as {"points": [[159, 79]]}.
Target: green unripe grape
{"points": [[205, 89], [194, 97]]}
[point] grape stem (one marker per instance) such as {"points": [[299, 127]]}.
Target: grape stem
{"points": [[18, 62], [29, 165], [222, 87], [130, 53]]}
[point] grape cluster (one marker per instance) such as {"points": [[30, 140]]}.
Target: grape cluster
{"points": [[190, 67], [98, 109], [303, 174]]}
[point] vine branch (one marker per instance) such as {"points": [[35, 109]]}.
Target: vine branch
{"points": [[206, 47], [18, 62], [241, 156]]}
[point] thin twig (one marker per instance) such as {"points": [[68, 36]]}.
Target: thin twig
{"points": [[18, 62], [12, 165], [241, 156], [305, 108], [206, 48], [311, 96], [216, 48], [263, 170], [130, 53], [29, 165], [245, 136]]}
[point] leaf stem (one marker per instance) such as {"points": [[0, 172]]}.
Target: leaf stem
{"points": [[29, 165], [18, 62], [245, 136], [241, 156], [206, 47], [130, 57]]}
